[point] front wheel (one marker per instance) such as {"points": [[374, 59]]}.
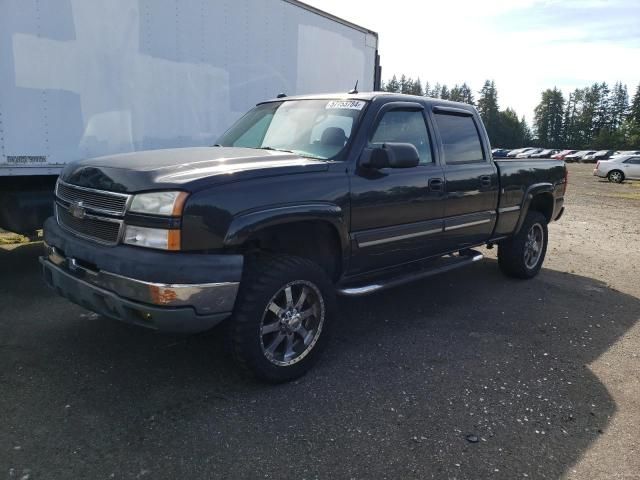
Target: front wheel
{"points": [[283, 317], [615, 176], [522, 255]]}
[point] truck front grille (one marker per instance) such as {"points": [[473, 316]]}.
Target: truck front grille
{"points": [[97, 200], [98, 229]]}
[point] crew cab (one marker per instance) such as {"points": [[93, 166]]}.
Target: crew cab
{"points": [[302, 199]]}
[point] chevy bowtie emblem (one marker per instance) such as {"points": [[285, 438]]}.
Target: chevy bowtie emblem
{"points": [[77, 210]]}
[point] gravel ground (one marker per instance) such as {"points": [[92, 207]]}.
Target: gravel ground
{"points": [[468, 375]]}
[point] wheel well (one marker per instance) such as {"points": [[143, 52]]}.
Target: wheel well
{"points": [[543, 203], [317, 241]]}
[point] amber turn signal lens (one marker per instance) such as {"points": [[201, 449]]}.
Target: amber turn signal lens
{"points": [[173, 240], [178, 206]]}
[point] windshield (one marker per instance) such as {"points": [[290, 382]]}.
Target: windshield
{"points": [[312, 128]]}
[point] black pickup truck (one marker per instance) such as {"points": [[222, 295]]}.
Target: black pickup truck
{"points": [[302, 199]]}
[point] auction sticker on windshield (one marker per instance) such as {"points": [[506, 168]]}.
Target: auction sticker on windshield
{"points": [[346, 104]]}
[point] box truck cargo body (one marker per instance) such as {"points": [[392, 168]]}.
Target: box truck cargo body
{"points": [[85, 78]]}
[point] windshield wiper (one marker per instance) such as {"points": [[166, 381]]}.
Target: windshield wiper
{"points": [[277, 150], [305, 155]]}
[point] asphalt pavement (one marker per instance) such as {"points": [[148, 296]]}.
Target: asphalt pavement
{"points": [[466, 375]]}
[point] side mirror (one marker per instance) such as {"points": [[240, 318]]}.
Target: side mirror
{"points": [[391, 155]]}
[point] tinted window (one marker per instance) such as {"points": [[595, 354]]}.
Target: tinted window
{"points": [[404, 126], [460, 139], [633, 160]]}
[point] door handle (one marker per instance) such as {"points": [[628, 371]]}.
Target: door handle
{"points": [[436, 185], [485, 180]]}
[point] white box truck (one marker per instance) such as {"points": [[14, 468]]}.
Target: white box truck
{"points": [[85, 78]]}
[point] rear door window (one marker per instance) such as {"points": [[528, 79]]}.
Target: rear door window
{"points": [[460, 138]]}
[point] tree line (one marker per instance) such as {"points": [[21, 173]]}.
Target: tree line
{"points": [[595, 117]]}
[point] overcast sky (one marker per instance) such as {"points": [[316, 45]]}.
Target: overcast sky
{"points": [[524, 45]]}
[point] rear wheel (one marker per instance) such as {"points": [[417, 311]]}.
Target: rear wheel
{"points": [[522, 256], [615, 176], [282, 318]]}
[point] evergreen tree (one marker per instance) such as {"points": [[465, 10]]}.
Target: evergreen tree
{"points": [[427, 89], [591, 117], [466, 95], [548, 119], [527, 134], [403, 83], [435, 92], [489, 110], [455, 94], [570, 119], [509, 133], [631, 125], [602, 114], [393, 85], [634, 111], [416, 87], [619, 106]]}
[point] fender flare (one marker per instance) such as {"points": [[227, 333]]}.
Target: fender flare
{"points": [[544, 188], [248, 223]]}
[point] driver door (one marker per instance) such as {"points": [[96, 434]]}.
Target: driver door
{"points": [[397, 213]]}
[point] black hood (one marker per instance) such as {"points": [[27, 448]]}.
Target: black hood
{"points": [[183, 168]]}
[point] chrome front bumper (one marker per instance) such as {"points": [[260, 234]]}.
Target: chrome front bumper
{"points": [[168, 307]]}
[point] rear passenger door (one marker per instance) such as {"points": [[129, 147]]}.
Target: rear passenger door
{"points": [[471, 178]]}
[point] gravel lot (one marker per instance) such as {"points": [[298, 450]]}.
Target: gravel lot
{"points": [[467, 375]]}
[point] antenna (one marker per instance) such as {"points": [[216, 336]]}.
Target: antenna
{"points": [[281, 95], [355, 89]]}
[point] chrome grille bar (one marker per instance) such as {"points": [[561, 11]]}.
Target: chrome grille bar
{"points": [[106, 231], [99, 201]]}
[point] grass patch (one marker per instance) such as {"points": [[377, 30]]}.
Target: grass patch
{"points": [[12, 238], [630, 195]]}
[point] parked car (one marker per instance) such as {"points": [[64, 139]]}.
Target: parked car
{"points": [[561, 155], [618, 169], [576, 157], [517, 151], [544, 154], [264, 229], [528, 153], [617, 153], [599, 155], [500, 152]]}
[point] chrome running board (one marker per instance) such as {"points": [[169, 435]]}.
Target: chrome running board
{"points": [[466, 257]]}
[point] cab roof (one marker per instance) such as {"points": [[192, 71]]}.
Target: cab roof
{"points": [[370, 96]]}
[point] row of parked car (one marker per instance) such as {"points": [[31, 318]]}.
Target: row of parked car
{"points": [[616, 166], [583, 156]]}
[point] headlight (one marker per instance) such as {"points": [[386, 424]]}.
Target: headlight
{"points": [[152, 237], [159, 203]]}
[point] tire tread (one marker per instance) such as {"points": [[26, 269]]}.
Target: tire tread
{"points": [[511, 251], [261, 274]]}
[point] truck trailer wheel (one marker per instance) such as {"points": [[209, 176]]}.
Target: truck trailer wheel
{"points": [[522, 256], [282, 317]]}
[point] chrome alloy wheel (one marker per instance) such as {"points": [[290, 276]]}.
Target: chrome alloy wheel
{"points": [[615, 176], [292, 322], [533, 246]]}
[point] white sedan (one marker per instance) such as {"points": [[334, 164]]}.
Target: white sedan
{"points": [[619, 168]]}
